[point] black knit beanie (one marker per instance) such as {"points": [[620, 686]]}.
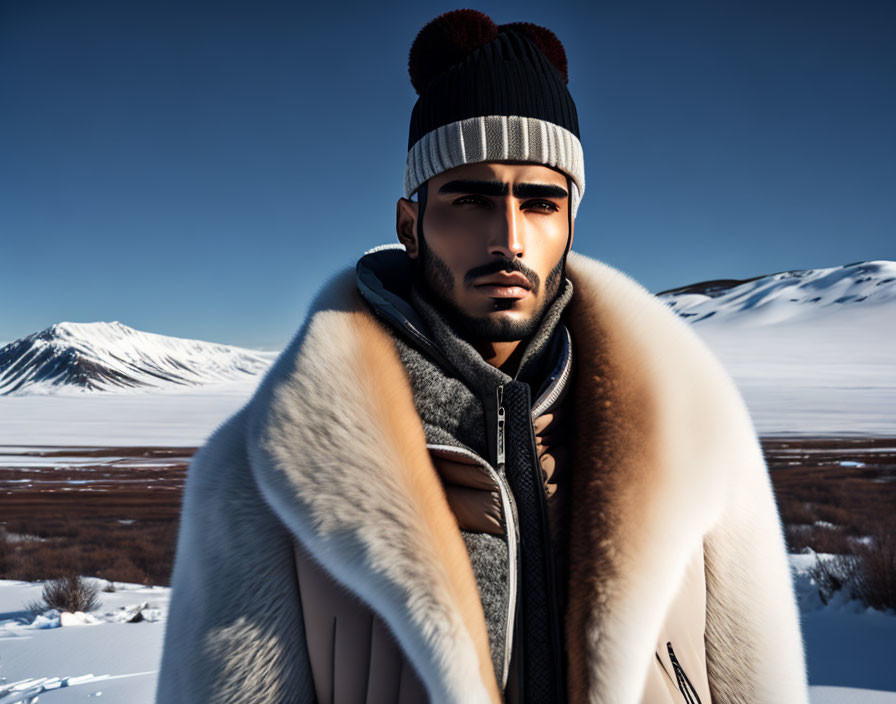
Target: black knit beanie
{"points": [[490, 92]]}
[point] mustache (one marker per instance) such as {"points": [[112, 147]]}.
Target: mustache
{"points": [[506, 265]]}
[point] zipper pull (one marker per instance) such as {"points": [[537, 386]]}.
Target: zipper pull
{"points": [[500, 429], [684, 684]]}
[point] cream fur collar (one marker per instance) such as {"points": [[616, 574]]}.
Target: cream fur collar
{"points": [[337, 449]]}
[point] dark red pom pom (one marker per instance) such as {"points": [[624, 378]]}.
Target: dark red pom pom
{"points": [[447, 40], [545, 40]]}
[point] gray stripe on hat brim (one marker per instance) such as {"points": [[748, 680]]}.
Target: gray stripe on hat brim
{"points": [[496, 138]]}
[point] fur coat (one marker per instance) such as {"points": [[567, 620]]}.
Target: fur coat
{"points": [[329, 452]]}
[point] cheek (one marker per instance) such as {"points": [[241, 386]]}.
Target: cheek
{"points": [[455, 266], [449, 230], [556, 231], [451, 242], [443, 262], [551, 238]]}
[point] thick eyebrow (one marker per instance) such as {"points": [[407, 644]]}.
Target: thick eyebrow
{"points": [[485, 188], [538, 190], [499, 188]]}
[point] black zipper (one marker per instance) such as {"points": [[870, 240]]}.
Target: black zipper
{"points": [[499, 441], [684, 684], [556, 635]]}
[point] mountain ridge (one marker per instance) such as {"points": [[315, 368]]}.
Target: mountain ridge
{"points": [[108, 356], [785, 296]]}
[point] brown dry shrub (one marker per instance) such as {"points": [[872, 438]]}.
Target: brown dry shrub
{"points": [[67, 593], [796, 512], [868, 575], [4, 551], [142, 553], [123, 570], [832, 575], [25, 569], [49, 560], [875, 579], [837, 515], [826, 539]]}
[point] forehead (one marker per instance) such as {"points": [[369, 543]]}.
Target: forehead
{"points": [[504, 171]]}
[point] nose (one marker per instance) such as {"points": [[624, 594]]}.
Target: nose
{"points": [[507, 240]]}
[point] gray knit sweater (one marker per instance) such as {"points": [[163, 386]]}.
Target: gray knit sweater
{"points": [[450, 392]]}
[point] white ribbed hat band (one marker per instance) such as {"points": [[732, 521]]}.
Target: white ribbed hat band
{"points": [[496, 138]]}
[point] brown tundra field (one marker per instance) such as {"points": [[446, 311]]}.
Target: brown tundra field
{"points": [[113, 512]]}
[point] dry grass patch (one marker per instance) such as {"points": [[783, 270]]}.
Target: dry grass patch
{"points": [[839, 497], [115, 520]]}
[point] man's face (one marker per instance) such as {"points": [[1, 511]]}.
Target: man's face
{"points": [[493, 249]]}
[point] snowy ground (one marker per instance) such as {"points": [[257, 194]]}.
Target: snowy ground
{"points": [[833, 375], [850, 649], [847, 644], [133, 418], [123, 658]]}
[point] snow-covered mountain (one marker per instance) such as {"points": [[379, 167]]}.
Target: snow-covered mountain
{"points": [[788, 296], [110, 356], [811, 351]]}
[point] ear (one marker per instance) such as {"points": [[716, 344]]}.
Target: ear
{"points": [[406, 225]]}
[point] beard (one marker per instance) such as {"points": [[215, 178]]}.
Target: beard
{"points": [[433, 278]]}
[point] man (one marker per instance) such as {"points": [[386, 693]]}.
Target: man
{"points": [[486, 468]]}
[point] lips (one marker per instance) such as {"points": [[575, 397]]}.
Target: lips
{"points": [[505, 285]]}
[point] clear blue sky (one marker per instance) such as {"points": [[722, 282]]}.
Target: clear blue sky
{"points": [[198, 169]]}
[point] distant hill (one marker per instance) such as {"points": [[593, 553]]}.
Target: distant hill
{"points": [[112, 356], [787, 296]]}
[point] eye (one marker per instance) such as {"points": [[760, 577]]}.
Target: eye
{"points": [[542, 205], [473, 200]]}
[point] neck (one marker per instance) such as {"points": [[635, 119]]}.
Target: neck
{"points": [[505, 356]]}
